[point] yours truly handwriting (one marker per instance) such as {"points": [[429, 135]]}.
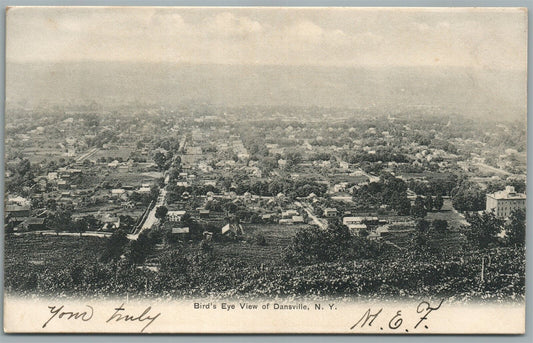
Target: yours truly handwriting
{"points": [[68, 315], [120, 314]]}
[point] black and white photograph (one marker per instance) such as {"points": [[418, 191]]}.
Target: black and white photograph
{"points": [[265, 170]]}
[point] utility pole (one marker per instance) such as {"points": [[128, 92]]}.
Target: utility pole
{"points": [[482, 268]]}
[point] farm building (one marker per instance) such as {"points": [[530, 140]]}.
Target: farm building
{"points": [[270, 218], [62, 184], [18, 210], [144, 189], [118, 192], [113, 164], [180, 231], [204, 213], [383, 231], [232, 230], [33, 224], [297, 219], [110, 222], [175, 216], [285, 221], [340, 187], [17, 200], [330, 212], [355, 228], [359, 220], [289, 214]]}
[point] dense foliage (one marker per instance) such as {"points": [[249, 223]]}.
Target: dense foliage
{"points": [[467, 196], [388, 190], [314, 245], [202, 273], [316, 263]]}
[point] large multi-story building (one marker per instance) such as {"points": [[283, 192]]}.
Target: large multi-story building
{"points": [[503, 203]]}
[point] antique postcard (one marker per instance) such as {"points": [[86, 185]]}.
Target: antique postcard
{"points": [[265, 170]]}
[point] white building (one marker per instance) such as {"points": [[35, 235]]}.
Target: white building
{"points": [[175, 216], [503, 203]]}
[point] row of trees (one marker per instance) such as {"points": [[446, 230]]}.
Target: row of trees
{"points": [[287, 186], [485, 229], [381, 155], [163, 161], [389, 190], [392, 191], [436, 183], [468, 196], [145, 198], [118, 246], [22, 177], [422, 206], [314, 245], [61, 220]]}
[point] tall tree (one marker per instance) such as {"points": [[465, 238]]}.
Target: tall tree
{"points": [[438, 202], [483, 229], [468, 197], [418, 210], [161, 212], [422, 226], [403, 206], [428, 203], [515, 228], [141, 248], [161, 160], [115, 245], [440, 225]]}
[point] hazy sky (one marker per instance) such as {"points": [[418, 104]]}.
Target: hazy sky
{"points": [[484, 38]]}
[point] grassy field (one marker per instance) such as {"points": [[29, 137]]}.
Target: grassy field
{"points": [[452, 240], [248, 250], [131, 179], [123, 152], [44, 155], [54, 250], [455, 220], [277, 238], [50, 250]]}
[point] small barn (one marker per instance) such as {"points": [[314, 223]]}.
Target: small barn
{"points": [[175, 216], [110, 222], [298, 219], [330, 212], [204, 213], [33, 224], [232, 230], [180, 233]]}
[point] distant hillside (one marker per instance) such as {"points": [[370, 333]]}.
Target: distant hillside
{"points": [[475, 93]]}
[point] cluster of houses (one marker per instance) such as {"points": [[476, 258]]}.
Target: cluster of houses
{"points": [[18, 215], [210, 152], [375, 228], [291, 217]]}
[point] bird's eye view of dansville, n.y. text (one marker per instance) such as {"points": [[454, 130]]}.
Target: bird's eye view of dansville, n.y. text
{"points": [[241, 153]]}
